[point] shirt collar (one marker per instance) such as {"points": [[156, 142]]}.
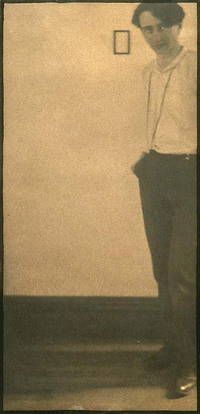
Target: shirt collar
{"points": [[173, 63]]}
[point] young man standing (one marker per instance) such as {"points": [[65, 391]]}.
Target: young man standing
{"points": [[167, 181]]}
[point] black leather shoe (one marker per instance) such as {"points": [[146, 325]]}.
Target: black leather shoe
{"points": [[185, 384], [182, 386], [162, 359]]}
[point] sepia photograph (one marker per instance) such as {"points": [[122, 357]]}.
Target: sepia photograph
{"points": [[100, 206]]}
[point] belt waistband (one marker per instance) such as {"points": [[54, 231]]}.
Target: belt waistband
{"points": [[174, 156]]}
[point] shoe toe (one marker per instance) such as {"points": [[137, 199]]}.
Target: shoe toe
{"points": [[181, 387], [184, 385]]}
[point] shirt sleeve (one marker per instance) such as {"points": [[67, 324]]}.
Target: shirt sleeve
{"points": [[192, 70]]}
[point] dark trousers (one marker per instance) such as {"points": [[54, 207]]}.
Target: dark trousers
{"points": [[168, 195]]}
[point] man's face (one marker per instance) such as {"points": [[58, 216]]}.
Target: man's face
{"points": [[161, 39]]}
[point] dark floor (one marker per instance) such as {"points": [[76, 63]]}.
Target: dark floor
{"points": [[84, 353]]}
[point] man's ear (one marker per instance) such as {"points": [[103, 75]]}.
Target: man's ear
{"points": [[176, 29], [180, 26]]}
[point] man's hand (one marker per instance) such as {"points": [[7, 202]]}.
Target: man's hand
{"points": [[138, 163]]}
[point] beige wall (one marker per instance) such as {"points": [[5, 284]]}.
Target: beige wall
{"points": [[73, 128]]}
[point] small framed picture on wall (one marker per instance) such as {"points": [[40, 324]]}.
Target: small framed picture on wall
{"points": [[121, 42]]}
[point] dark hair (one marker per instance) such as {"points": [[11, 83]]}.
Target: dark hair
{"points": [[169, 14]]}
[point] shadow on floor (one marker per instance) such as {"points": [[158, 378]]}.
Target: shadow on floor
{"points": [[56, 345], [43, 372]]}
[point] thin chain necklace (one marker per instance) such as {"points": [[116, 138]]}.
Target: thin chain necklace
{"points": [[162, 101]]}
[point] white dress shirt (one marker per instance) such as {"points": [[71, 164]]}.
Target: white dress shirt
{"points": [[171, 105]]}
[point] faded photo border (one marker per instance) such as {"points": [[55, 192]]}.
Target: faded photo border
{"points": [[2, 3]]}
